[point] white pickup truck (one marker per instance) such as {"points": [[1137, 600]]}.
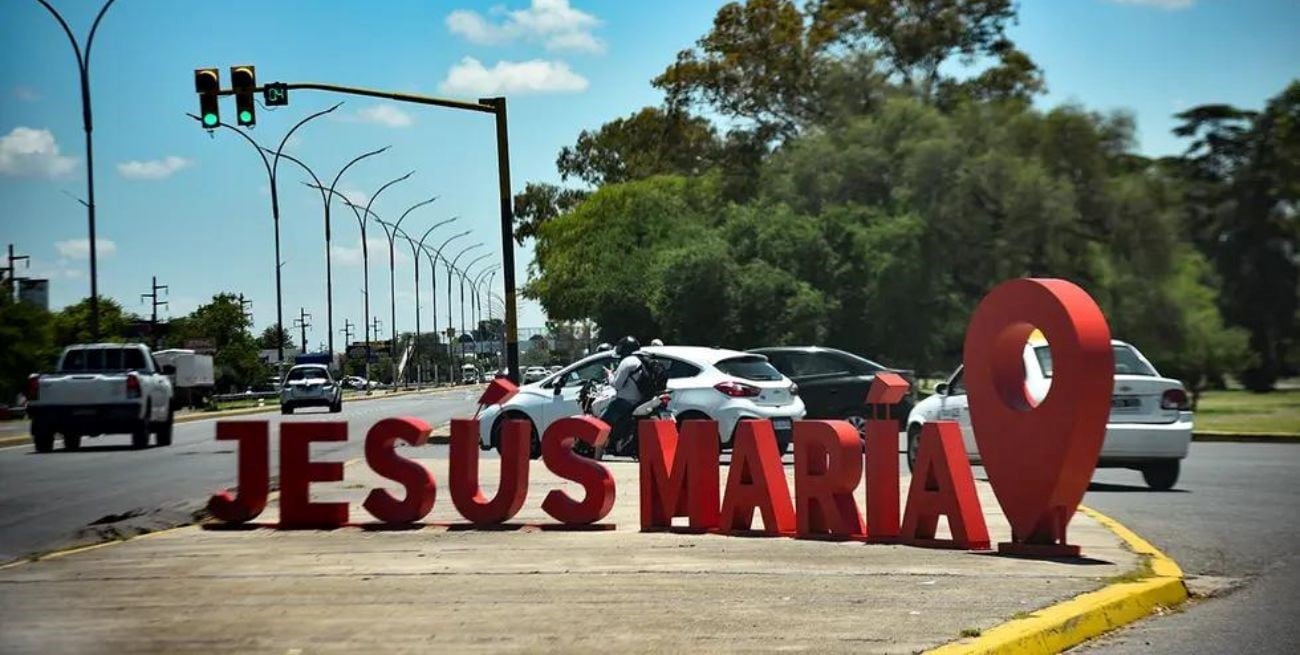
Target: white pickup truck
{"points": [[101, 388]]}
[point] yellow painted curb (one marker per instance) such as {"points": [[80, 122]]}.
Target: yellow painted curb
{"points": [[1061, 626]]}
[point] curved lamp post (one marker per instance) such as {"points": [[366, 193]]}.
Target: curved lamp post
{"points": [[272, 167], [327, 197], [464, 277], [416, 248], [434, 255], [451, 270], [87, 123], [390, 232]]}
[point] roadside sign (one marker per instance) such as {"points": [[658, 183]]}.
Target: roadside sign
{"points": [[275, 94]]}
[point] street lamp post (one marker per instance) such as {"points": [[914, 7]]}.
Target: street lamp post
{"points": [[434, 255], [390, 232], [272, 167], [416, 247], [464, 277], [83, 67], [451, 270], [327, 197]]}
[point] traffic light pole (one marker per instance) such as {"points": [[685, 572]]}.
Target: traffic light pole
{"points": [[494, 106], [83, 66]]}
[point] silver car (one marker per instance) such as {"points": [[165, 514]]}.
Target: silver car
{"points": [[310, 385]]}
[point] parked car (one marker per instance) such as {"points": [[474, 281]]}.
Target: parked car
{"points": [[1150, 425], [102, 388], [706, 383], [310, 385], [554, 369], [834, 383], [534, 373]]}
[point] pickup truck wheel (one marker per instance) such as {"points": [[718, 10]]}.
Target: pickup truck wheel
{"points": [[163, 433], [337, 406], [140, 436], [42, 437], [913, 445], [71, 441], [286, 409]]}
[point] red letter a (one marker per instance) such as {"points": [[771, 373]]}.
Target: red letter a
{"points": [[679, 475], [756, 480], [513, 486], [942, 485], [254, 472]]}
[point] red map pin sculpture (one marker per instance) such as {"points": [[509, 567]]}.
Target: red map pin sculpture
{"points": [[1039, 456]]}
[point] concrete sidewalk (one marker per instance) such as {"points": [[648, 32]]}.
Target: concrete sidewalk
{"points": [[439, 588]]}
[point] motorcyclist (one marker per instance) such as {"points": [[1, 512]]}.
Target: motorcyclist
{"points": [[626, 394]]}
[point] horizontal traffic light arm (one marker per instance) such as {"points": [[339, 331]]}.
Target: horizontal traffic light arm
{"points": [[480, 106]]}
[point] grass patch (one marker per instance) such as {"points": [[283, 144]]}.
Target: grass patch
{"points": [[1245, 411], [1142, 572], [971, 632]]}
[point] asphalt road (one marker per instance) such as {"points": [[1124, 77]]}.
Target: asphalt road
{"points": [[1233, 524], [59, 499]]}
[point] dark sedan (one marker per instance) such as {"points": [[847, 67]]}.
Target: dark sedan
{"points": [[834, 383]]}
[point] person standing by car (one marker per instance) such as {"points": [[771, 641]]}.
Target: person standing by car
{"points": [[626, 393]]}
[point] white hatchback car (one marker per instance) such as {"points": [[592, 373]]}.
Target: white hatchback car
{"points": [[1150, 424], [706, 383]]}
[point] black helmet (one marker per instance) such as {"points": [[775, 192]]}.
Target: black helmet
{"points": [[627, 345]]}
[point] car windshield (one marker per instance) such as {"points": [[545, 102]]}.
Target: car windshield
{"points": [[308, 374], [103, 360], [1127, 361], [752, 367]]}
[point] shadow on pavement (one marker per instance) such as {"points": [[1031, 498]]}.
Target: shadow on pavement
{"points": [[1103, 487]]}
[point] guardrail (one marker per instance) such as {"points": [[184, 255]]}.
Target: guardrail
{"points": [[251, 395]]}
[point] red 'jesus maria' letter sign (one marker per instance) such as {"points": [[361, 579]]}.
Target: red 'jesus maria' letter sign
{"points": [[1039, 458]]}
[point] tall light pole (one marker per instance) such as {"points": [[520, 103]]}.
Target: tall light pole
{"points": [[434, 255], [451, 270], [272, 167], [87, 123], [464, 277], [478, 281], [390, 232], [327, 197], [416, 248]]}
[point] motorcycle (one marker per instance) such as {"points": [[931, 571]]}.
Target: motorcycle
{"points": [[594, 397]]}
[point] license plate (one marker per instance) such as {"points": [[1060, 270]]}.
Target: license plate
{"points": [[1125, 403], [781, 424]]}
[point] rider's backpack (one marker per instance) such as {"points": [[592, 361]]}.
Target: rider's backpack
{"points": [[651, 378]]}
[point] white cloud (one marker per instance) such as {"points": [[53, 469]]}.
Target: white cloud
{"points": [[470, 77], [26, 94], [386, 115], [153, 169], [378, 247], [28, 151], [553, 23], [355, 197], [1162, 4], [80, 248]]}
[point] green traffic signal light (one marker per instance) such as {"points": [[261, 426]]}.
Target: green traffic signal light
{"points": [[245, 116], [210, 120]]}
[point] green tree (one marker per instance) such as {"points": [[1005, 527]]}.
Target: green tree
{"points": [[72, 323], [224, 322], [272, 338], [26, 344]]}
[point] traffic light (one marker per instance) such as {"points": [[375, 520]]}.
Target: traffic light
{"points": [[207, 82], [243, 79]]}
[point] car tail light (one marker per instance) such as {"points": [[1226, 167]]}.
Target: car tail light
{"points": [[1175, 399], [33, 388], [738, 389], [133, 386]]}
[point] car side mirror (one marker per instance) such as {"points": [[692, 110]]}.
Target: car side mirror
{"points": [[168, 369], [559, 385], [941, 389]]}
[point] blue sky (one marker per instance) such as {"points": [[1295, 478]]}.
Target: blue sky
{"points": [[194, 209]]}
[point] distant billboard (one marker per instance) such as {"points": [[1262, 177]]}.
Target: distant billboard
{"points": [[36, 292]]}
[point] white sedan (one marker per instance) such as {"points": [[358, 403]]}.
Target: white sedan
{"points": [[706, 383], [1150, 424]]}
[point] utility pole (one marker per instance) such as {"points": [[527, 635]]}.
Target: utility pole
{"points": [[153, 300], [10, 273], [302, 324], [246, 307], [347, 333]]}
